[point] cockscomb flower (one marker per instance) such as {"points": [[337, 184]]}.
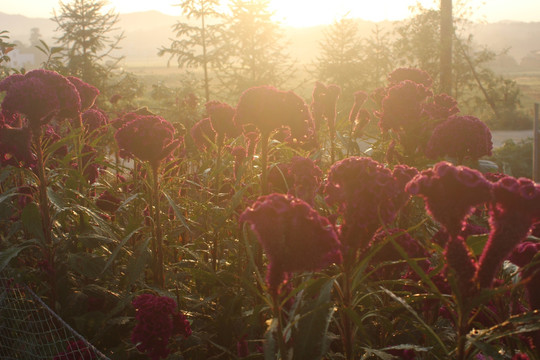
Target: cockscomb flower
{"points": [[451, 193], [360, 98], [39, 95], [460, 137], [95, 121], [279, 180], [402, 108], [148, 138], [323, 106], [514, 209], [363, 117], [252, 139], [442, 107], [416, 75], [268, 109], [157, 321], [221, 116], [367, 195], [306, 177], [294, 236], [203, 134], [87, 92]]}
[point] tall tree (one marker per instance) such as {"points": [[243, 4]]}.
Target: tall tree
{"points": [[197, 45], [255, 50], [340, 61], [447, 32], [378, 59], [87, 39]]}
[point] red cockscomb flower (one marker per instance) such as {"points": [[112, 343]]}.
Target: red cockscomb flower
{"points": [[76, 350], [268, 109], [157, 321], [15, 146], [514, 209], [87, 92], [450, 193], [95, 121], [360, 98], [295, 237], [203, 134], [460, 137], [367, 195], [221, 116], [323, 106], [441, 108], [148, 138], [402, 108]]}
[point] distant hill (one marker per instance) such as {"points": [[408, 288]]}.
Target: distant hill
{"points": [[146, 31]]}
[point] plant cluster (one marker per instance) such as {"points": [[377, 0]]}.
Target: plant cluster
{"points": [[272, 228]]}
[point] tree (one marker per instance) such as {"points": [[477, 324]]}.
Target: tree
{"points": [[254, 53], [197, 45], [378, 58], [340, 61], [86, 39]]}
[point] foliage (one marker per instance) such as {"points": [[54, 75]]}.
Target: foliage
{"points": [[515, 157], [197, 46], [254, 53], [88, 46]]}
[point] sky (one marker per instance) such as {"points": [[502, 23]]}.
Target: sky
{"points": [[308, 12]]}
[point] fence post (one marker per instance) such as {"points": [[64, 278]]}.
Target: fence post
{"points": [[536, 143]]}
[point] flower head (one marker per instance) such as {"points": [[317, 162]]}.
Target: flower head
{"points": [[367, 195], [450, 193], [323, 106], [460, 137], [87, 92], [295, 237], [39, 95], [76, 350], [203, 133], [221, 116], [402, 108], [95, 121], [360, 98], [157, 320], [515, 207], [148, 138], [268, 109], [442, 107]]}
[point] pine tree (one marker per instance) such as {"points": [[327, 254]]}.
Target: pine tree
{"points": [[341, 56], [86, 39], [197, 45], [255, 50]]}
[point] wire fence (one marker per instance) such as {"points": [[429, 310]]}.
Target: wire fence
{"points": [[30, 330]]}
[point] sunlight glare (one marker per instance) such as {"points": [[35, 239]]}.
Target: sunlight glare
{"points": [[300, 13]]}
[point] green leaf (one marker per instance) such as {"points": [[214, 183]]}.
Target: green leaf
{"points": [[477, 243], [10, 253], [86, 264], [31, 219], [177, 211], [137, 264], [270, 347], [311, 340], [119, 247]]}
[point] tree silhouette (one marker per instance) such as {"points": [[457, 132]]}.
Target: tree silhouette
{"points": [[86, 39], [197, 45], [255, 51], [341, 54]]}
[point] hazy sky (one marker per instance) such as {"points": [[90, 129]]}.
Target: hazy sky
{"points": [[308, 12]]}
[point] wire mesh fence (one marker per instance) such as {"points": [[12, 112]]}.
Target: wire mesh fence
{"points": [[30, 330]]}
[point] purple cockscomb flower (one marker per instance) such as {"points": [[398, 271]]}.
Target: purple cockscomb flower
{"points": [[294, 236]]}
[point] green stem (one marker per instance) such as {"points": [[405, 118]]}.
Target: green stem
{"points": [[48, 251], [278, 315], [159, 276], [346, 323], [264, 163]]}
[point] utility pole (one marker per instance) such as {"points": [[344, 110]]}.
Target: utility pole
{"points": [[536, 144], [447, 34]]}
